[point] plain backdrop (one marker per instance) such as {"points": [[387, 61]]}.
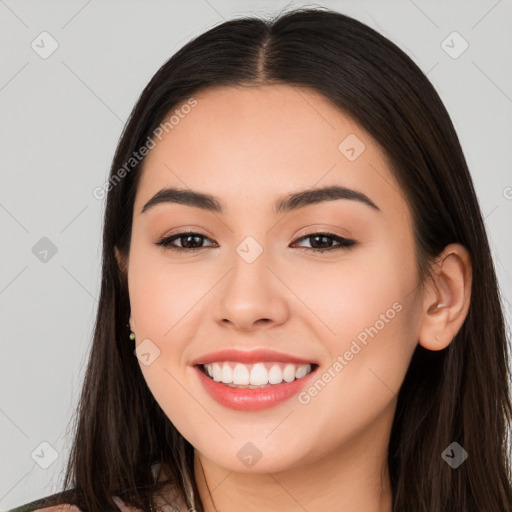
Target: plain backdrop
{"points": [[61, 117]]}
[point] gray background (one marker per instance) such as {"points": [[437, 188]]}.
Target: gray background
{"points": [[61, 118]]}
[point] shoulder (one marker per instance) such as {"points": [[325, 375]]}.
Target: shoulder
{"points": [[58, 502], [39, 506], [59, 508], [42, 506]]}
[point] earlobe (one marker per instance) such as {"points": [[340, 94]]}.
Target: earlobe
{"points": [[122, 263], [446, 298], [131, 323], [121, 260]]}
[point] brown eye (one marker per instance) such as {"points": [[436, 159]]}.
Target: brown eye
{"points": [[321, 242], [190, 241]]}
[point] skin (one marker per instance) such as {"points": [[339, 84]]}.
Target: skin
{"points": [[249, 147]]}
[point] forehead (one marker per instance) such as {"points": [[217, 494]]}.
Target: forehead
{"points": [[257, 143]]}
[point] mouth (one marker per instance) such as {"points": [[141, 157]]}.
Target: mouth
{"points": [[257, 375], [253, 380]]}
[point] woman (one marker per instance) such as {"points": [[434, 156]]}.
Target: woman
{"points": [[299, 309]]}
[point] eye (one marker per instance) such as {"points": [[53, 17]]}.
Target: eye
{"points": [[322, 242], [191, 242]]}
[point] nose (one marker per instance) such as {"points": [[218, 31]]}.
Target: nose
{"points": [[251, 297]]}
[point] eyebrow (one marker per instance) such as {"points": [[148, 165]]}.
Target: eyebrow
{"points": [[291, 202]]}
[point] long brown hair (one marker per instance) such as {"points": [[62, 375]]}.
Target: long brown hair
{"points": [[460, 394]]}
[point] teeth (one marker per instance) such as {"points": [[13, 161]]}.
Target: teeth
{"points": [[255, 375], [275, 375], [290, 372], [302, 371], [259, 375], [241, 374], [216, 370], [227, 374]]}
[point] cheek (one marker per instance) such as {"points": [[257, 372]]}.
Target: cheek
{"points": [[160, 300], [350, 296], [368, 355], [162, 294], [367, 303]]}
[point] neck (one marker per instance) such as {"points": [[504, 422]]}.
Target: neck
{"points": [[353, 478]]}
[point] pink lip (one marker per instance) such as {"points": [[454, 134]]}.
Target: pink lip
{"points": [[245, 399], [249, 357]]}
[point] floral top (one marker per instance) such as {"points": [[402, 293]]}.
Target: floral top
{"points": [[41, 504]]}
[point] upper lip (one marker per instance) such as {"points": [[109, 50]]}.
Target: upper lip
{"points": [[249, 356]]}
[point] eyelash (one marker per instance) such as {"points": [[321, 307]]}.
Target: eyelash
{"points": [[345, 243]]}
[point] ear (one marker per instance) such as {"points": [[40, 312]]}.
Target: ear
{"points": [[121, 261], [446, 299]]}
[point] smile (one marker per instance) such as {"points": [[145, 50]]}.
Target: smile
{"points": [[258, 375], [283, 381]]}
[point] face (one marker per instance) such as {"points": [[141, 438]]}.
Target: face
{"points": [[333, 283]]}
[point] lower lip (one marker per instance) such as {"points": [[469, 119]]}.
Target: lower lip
{"points": [[245, 399]]}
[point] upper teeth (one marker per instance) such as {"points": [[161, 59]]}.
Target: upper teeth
{"points": [[256, 374]]}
